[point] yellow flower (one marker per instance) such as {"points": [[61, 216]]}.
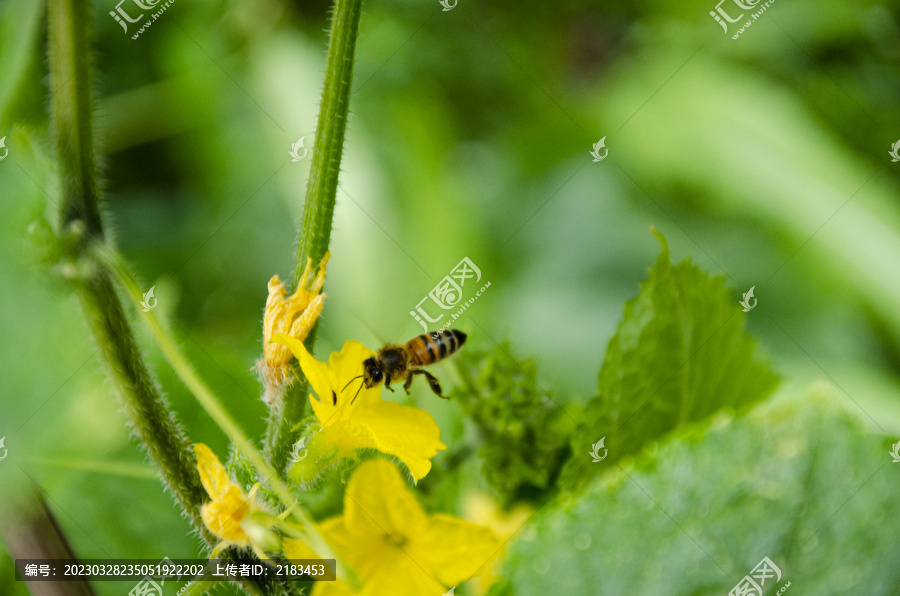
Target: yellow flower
{"points": [[295, 317], [295, 549], [349, 420], [235, 518], [394, 547], [483, 510]]}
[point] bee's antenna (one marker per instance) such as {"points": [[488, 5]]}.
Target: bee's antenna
{"points": [[357, 393], [351, 380]]}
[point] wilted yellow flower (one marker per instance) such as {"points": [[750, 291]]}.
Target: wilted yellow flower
{"points": [[394, 547], [294, 316], [234, 517], [349, 420]]}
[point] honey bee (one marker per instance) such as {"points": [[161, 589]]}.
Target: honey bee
{"points": [[396, 362]]}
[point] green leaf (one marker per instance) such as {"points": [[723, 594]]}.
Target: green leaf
{"points": [[804, 482], [680, 354]]}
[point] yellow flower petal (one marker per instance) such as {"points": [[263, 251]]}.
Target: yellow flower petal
{"points": [[316, 372], [403, 577], [335, 588], [390, 509], [337, 395], [293, 316], [213, 475], [482, 509], [453, 549], [367, 554], [409, 433], [353, 416], [228, 506], [346, 365], [225, 515], [379, 515], [297, 549], [304, 323], [393, 547]]}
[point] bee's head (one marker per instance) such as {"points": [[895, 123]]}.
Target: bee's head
{"points": [[371, 372]]}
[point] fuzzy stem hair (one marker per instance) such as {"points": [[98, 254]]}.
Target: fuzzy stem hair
{"points": [[318, 212]]}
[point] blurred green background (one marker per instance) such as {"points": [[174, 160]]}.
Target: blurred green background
{"points": [[764, 159]]}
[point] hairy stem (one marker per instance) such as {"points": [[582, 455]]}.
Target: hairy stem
{"points": [[321, 189], [147, 410], [315, 230], [283, 416], [209, 401], [70, 109]]}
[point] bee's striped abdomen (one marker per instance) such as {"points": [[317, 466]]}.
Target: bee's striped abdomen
{"points": [[435, 345]]}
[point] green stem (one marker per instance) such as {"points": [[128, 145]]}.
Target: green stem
{"points": [[315, 230], [321, 189], [283, 416], [146, 408], [70, 108], [209, 401]]}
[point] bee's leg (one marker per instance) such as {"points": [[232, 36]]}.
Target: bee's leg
{"points": [[408, 382], [433, 383], [387, 383]]}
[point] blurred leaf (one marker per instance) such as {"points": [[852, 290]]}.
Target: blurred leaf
{"points": [[708, 507], [759, 153], [20, 28], [679, 355]]}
